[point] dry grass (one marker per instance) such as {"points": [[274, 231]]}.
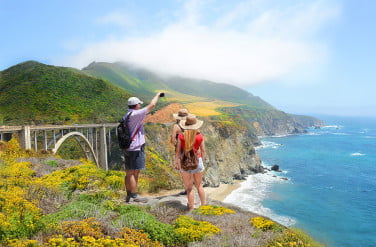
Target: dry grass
{"points": [[164, 115], [208, 108], [181, 97], [199, 107]]}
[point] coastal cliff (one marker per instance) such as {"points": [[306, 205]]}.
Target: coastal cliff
{"points": [[230, 140], [228, 158], [270, 122]]}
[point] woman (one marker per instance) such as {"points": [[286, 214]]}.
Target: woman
{"points": [[190, 139], [176, 129]]}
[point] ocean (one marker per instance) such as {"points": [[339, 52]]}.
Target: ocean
{"points": [[330, 191]]}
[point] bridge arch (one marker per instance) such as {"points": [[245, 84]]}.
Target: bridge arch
{"points": [[76, 134]]}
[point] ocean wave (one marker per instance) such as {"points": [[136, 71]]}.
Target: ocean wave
{"points": [[253, 191], [268, 144], [357, 154], [370, 137], [313, 134], [279, 136], [341, 134], [332, 127]]}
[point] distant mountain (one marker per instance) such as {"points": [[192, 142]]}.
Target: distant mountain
{"points": [[143, 82], [115, 73], [36, 93], [247, 110]]}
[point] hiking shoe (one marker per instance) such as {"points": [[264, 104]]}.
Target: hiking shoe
{"points": [[134, 195], [140, 199], [129, 196], [183, 193]]}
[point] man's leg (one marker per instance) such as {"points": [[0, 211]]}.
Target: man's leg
{"points": [[131, 180], [135, 162]]}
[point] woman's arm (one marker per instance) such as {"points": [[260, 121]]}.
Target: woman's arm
{"points": [[177, 164], [175, 130], [202, 150]]}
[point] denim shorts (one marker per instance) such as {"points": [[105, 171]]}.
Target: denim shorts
{"points": [[134, 160], [199, 169]]}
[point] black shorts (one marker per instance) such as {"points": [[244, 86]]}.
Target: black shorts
{"points": [[135, 160]]}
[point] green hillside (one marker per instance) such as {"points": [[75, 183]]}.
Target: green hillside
{"points": [[36, 93]]}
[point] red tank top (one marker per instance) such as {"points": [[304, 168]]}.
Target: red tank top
{"points": [[196, 146]]}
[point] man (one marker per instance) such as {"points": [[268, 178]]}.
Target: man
{"points": [[135, 154]]}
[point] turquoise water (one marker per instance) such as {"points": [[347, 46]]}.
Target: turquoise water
{"points": [[331, 186]]}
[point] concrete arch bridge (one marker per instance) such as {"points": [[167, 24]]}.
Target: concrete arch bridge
{"points": [[95, 140]]}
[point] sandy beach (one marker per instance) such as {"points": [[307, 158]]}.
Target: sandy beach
{"points": [[214, 193], [221, 192]]}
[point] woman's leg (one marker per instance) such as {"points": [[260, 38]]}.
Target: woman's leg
{"points": [[188, 184], [197, 177]]}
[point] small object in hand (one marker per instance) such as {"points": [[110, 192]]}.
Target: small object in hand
{"points": [[161, 95]]}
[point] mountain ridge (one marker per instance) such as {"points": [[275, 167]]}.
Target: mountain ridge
{"points": [[254, 112], [201, 88]]}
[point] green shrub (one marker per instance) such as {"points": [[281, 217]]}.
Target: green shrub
{"points": [[52, 163], [135, 217], [294, 237], [265, 224], [191, 230], [213, 210]]}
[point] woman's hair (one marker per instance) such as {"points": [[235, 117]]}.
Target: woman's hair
{"points": [[189, 139]]}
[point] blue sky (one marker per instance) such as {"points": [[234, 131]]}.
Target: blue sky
{"points": [[302, 56]]}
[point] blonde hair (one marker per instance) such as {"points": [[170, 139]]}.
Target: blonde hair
{"points": [[189, 139]]}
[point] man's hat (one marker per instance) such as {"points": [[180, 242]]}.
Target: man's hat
{"points": [[134, 101]]}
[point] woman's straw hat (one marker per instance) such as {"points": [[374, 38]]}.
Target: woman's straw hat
{"points": [[182, 114], [191, 123]]}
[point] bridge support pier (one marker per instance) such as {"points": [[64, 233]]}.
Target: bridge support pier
{"points": [[25, 137], [102, 152]]}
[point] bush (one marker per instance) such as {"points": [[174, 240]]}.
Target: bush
{"points": [[52, 163], [191, 230], [213, 210], [294, 237], [265, 224], [135, 217]]}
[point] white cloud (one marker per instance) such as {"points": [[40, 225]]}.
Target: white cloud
{"points": [[247, 44]]}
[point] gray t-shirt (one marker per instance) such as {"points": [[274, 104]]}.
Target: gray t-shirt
{"points": [[136, 124]]}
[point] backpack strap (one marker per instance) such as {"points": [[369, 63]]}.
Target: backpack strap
{"points": [[134, 135], [128, 115]]}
